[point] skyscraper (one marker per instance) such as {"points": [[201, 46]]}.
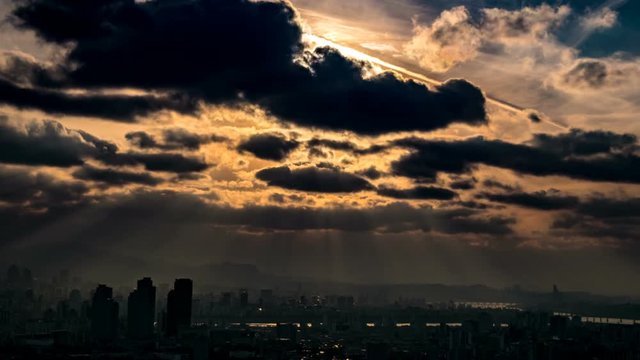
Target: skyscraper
{"points": [[179, 306], [244, 297], [141, 310], [104, 315]]}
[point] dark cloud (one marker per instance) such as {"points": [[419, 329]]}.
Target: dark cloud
{"points": [[169, 162], [34, 191], [391, 218], [371, 173], [189, 140], [600, 217], [142, 140], [47, 142], [418, 193], [274, 147], [283, 199], [211, 48], [346, 146], [116, 107], [173, 139], [35, 200], [535, 117], [328, 165], [332, 144], [464, 184], [132, 211], [587, 73], [492, 183], [472, 205], [601, 207], [314, 180], [339, 98], [115, 177], [315, 152], [236, 50], [580, 142], [188, 177], [542, 200], [540, 158]]}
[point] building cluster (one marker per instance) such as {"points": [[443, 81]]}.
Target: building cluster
{"points": [[66, 318]]}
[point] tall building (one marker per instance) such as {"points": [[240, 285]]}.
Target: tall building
{"points": [[179, 306], [244, 297], [104, 315], [141, 308]]}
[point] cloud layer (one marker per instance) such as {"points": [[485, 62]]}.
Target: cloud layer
{"points": [[262, 60]]}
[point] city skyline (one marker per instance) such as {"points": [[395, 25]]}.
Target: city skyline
{"points": [[67, 317]]}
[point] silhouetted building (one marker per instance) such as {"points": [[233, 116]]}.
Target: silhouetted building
{"points": [[557, 295], [27, 278], [104, 315], [179, 306], [244, 297], [225, 299], [558, 325], [141, 310], [13, 277]]}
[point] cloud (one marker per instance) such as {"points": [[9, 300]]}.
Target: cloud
{"points": [[28, 191], [346, 146], [237, 51], [451, 39], [492, 183], [115, 177], [602, 217], [47, 142], [418, 193], [371, 173], [338, 97], [313, 180], [173, 139], [603, 18], [464, 184], [526, 23], [332, 144], [274, 146], [142, 140], [169, 207], [23, 69], [579, 142], [231, 43], [598, 75], [546, 155], [541, 200], [284, 199], [169, 162], [601, 207], [188, 140], [116, 107], [455, 37]]}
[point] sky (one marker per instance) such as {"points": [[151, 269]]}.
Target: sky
{"points": [[370, 141]]}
